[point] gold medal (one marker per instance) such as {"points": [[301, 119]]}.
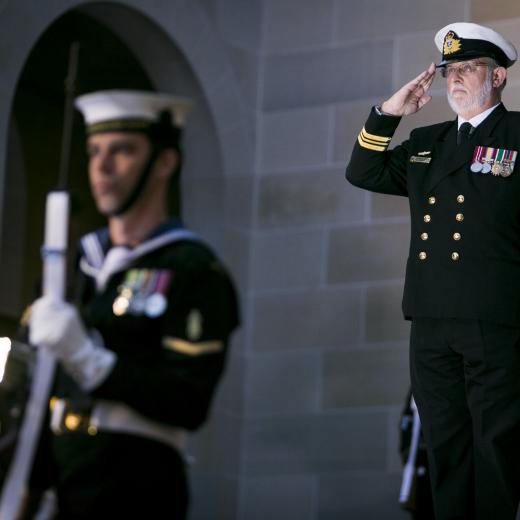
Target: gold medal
{"points": [[120, 305], [496, 169]]}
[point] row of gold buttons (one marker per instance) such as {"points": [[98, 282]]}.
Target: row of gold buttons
{"points": [[433, 200], [459, 217], [454, 256], [456, 236]]}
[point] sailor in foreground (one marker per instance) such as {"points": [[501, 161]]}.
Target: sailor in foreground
{"points": [[462, 289], [144, 346]]}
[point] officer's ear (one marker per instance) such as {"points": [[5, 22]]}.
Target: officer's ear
{"points": [[166, 163], [499, 77]]}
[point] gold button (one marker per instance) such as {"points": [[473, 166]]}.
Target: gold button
{"points": [[424, 236], [456, 236], [460, 199], [431, 200], [427, 218], [72, 421], [422, 255], [92, 429], [459, 217], [455, 256]]}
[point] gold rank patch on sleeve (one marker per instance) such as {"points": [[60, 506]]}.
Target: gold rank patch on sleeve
{"points": [[194, 323], [373, 142], [192, 349]]}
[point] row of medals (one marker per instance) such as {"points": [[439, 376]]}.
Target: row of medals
{"points": [[504, 168], [152, 305]]}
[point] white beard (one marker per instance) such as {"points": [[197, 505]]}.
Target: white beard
{"points": [[474, 102]]}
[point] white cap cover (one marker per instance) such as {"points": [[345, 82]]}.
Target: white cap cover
{"points": [[129, 109], [463, 41]]}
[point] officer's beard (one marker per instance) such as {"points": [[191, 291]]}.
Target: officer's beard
{"points": [[473, 102]]}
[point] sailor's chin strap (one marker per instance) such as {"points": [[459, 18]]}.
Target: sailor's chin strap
{"points": [[140, 186]]}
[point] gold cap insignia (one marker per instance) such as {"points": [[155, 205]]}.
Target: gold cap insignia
{"points": [[194, 325], [451, 43]]}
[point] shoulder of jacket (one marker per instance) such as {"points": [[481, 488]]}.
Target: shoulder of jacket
{"points": [[512, 114], [188, 253]]}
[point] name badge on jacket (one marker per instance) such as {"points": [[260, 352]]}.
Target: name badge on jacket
{"points": [[421, 158], [497, 161]]}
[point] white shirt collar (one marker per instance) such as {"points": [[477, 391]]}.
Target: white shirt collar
{"points": [[476, 120]]}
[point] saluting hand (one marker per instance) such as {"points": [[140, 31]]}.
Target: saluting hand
{"points": [[412, 97]]}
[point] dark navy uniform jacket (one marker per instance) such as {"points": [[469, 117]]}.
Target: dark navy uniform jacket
{"points": [[169, 359], [464, 258]]}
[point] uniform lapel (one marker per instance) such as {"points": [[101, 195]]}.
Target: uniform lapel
{"points": [[444, 150], [451, 157]]}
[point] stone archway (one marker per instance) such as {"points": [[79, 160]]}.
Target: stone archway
{"points": [[175, 61]]}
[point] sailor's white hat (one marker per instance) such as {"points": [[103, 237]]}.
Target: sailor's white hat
{"points": [[120, 110]]}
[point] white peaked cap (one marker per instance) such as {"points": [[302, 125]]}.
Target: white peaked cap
{"points": [[465, 40], [106, 106]]}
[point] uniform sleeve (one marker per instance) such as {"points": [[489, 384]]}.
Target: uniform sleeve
{"points": [[372, 166], [175, 383]]}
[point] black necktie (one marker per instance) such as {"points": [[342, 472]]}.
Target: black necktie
{"points": [[464, 132]]}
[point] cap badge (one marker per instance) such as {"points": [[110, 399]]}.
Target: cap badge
{"points": [[451, 43]]}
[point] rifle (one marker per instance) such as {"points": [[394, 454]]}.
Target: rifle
{"points": [[54, 274]]}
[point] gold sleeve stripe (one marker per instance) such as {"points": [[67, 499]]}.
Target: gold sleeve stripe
{"points": [[376, 138], [371, 141], [192, 349], [371, 146]]}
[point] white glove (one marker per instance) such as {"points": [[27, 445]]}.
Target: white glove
{"points": [[56, 326]]}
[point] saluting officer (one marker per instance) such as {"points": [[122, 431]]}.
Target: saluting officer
{"points": [[462, 289], [144, 346]]}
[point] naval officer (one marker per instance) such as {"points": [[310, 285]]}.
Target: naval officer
{"points": [[462, 288], [143, 347]]}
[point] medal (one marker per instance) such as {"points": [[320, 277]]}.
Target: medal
{"points": [[508, 163], [489, 160], [496, 169], [120, 305], [476, 165], [506, 170], [155, 305], [138, 304]]}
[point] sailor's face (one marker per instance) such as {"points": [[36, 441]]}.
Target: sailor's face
{"points": [[116, 161]]}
